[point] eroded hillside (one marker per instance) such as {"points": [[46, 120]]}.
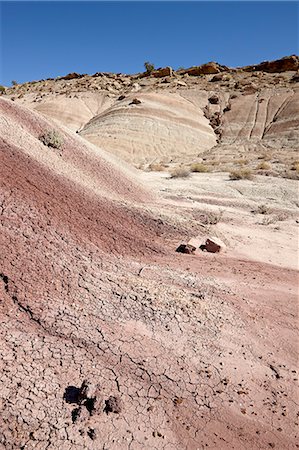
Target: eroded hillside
{"points": [[209, 113]]}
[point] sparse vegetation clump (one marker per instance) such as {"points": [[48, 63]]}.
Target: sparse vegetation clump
{"points": [[149, 67], [266, 157], [272, 219], [180, 172], [242, 162], [52, 138], [14, 83], [210, 217], [295, 166], [199, 168], [156, 167], [290, 174], [262, 209], [2, 89], [264, 166], [242, 174]]}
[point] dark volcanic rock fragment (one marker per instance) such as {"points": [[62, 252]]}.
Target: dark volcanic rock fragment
{"points": [[113, 404]]}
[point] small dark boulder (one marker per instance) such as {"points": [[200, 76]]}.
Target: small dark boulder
{"points": [[113, 404], [135, 101], [214, 99], [90, 396], [87, 391], [80, 415], [227, 108], [295, 78], [186, 248], [71, 394], [217, 77], [92, 433]]}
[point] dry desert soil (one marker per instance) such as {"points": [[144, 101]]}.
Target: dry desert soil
{"points": [[110, 339]]}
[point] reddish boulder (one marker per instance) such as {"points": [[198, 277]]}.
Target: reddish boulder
{"points": [[186, 248], [204, 69], [72, 76], [288, 63], [162, 72], [214, 245]]}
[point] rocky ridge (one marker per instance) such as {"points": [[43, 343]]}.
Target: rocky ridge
{"points": [[249, 113]]}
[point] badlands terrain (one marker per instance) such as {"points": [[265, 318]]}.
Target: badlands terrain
{"points": [[111, 339]]}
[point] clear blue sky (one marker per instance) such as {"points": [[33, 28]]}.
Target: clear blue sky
{"points": [[49, 39]]}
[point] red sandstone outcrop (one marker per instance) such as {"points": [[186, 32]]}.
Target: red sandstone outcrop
{"points": [[72, 76], [162, 72], [288, 63], [204, 69]]}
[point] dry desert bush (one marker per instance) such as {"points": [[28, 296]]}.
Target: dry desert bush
{"points": [[180, 172], [270, 220], [210, 217], [214, 162], [241, 174], [199, 168], [290, 174], [295, 166], [264, 166], [266, 156], [242, 162], [262, 209], [156, 167]]}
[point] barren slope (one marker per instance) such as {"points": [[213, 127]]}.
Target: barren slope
{"points": [[72, 110], [200, 351]]}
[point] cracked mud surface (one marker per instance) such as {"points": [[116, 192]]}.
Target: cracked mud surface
{"points": [[200, 352]]}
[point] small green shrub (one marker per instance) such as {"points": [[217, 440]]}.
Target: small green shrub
{"points": [[149, 67], [199, 168], [14, 83], [180, 172], [242, 174], [52, 138], [2, 89]]}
